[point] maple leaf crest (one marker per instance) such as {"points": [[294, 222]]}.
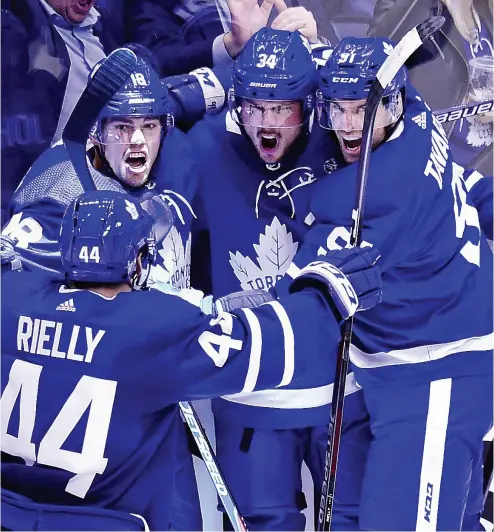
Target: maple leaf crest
{"points": [[275, 252], [388, 48], [175, 263]]}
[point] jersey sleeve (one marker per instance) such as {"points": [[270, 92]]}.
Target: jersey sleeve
{"points": [[480, 190], [37, 209], [193, 356]]}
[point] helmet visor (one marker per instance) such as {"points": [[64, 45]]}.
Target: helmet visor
{"points": [[348, 115], [267, 113], [126, 130]]}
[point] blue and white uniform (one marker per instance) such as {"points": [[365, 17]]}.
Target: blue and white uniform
{"points": [[424, 356]]}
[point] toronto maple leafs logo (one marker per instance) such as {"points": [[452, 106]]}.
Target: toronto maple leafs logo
{"points": [[175, 261], [275, 252], [479, 133], [330, 165], [387, 48]]}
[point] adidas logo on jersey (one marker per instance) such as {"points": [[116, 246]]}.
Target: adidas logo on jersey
{"points": [[67, 305], [421, 120]]}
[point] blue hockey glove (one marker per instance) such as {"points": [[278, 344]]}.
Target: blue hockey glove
{"points": [[350, 279], [9, 258], [198, 93]]}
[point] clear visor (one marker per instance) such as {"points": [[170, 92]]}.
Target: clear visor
{"points": [[348, 115], [268, 113], [132, 131]]}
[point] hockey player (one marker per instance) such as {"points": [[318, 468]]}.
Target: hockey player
{"points": [[258, 162], [424, 358], [135, 149], [92, 343]]}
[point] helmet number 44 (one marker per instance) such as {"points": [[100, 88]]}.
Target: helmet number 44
{"points": [[87, 255]]}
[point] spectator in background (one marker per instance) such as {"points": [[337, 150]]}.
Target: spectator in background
{"points": [[179, 32], [462, 62], [48, 49], [188, 34]]}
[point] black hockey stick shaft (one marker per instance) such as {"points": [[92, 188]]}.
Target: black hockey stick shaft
{"points": [[450, 114], [403, 50], [106, 81], [212, 465]]}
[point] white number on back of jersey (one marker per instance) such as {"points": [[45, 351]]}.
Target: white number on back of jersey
{"points": [[224, 342], [465, 215], [23, 231], [96, 394], [266, 60]]}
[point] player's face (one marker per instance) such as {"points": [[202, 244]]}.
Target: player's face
{"points": [[74, 11], [272, 126], [131, 146], [351, 118]]}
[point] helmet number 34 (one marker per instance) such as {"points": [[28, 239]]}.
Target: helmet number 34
{"points": [[266, 60]]}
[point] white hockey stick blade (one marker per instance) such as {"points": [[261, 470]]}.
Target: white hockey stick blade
{"points": [[405, 48]]}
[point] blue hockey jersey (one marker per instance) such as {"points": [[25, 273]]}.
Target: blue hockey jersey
{"points": [[256, 216], [51, 183], [437, 266], [90, 384], [480, 190]]}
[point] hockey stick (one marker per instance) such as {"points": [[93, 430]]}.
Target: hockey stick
{"points": [[450, 114], [209, 458], [108, 78], [403, 50]]}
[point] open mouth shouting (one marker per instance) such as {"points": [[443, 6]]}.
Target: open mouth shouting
{"points": [[136, 161], [268, 142], [350, 146]]}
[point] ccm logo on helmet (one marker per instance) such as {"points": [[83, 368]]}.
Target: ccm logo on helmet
{"points": [[337, 79]]}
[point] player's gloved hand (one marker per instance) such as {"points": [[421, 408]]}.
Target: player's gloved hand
{"points": [[9, 259], [242, 299], [349, 278], [196, 94]]}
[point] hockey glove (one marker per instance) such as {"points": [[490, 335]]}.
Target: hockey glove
{"points": [[349, 278], [196, 94], [9, 258]]}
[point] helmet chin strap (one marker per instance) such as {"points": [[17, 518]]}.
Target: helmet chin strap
{"points": [[139, 281]]}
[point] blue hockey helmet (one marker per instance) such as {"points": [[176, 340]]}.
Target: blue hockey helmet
{"points": [[274, 65], [349, 74], [101, 235], [142, 95]]}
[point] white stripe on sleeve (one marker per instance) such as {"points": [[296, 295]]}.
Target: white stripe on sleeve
{"points": [[473, 179], [289, 343], [255, 351]]}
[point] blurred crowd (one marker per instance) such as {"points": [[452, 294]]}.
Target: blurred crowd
{"points": [[50, 46]]}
